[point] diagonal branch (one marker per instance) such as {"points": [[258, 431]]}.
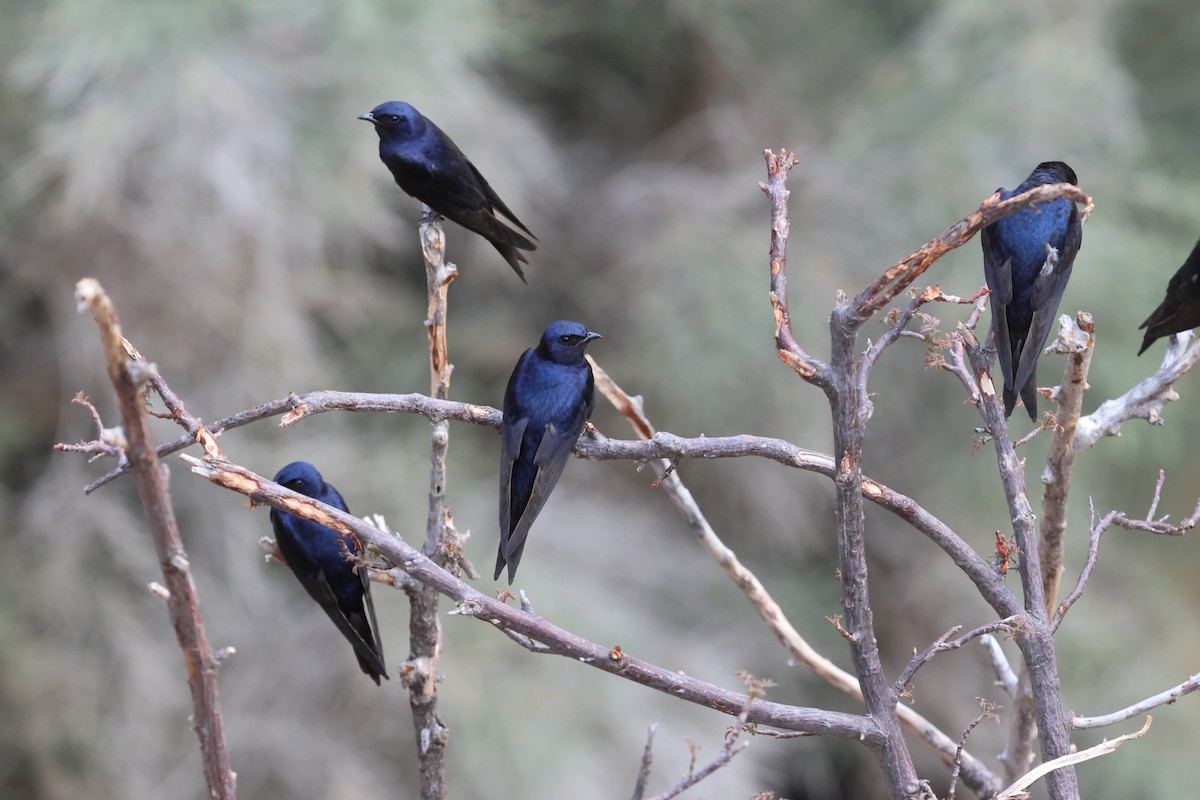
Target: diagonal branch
{"points": [[1144, 401], [1140, 707], [182, 601], [1017, 790], [977, 776], [897, 278], [472, 603]]}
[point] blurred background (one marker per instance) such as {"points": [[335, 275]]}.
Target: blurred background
{"points": [[204, 162]]}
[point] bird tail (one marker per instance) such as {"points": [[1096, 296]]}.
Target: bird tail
{"points": [[373, 668], [500, 565], [507, 242], [1028, 399]]}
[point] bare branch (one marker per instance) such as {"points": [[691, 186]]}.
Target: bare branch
{"points": [[987, 711], [472, 603], [730, 749], [1144, 401], [419, 672], [1033, 635], [811, 369], [1076, 339], [182, 600], [1140, 707], [982, 781], [901, 320], [1086, 572], [639, 789], [1005, 677], [898, 278], [1017, 790], [944, 643]]}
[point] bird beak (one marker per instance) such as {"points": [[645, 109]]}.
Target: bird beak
{"points": [[368, 117], [593, 335]]}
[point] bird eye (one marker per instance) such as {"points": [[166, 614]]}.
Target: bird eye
{"points": [[568, 339], [393, 118]]}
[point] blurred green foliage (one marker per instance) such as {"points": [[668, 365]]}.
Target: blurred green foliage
{"points": [[203, 161]]}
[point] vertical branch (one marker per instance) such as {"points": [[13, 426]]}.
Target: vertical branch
{"points": [[182, 601], [424, 628], [1042, 692], [851, 410], [1077, 340]]}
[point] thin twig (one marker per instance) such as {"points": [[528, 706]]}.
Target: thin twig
{"points": [[182, 600], [987, 711], [1005, 677], [639, 789], [1017, 790], [1085, 574], [944, 643], [730, 749], [1140, 707]]}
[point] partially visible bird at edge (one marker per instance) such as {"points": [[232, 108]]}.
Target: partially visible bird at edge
{"points": [[315, 557], [1027, 259], [428, 165], [549, 398], [1180, 309]]}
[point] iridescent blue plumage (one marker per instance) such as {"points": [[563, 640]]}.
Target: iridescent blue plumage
{"points": [[429, 166], [314, 555], [1027, 259], [550, 397]]}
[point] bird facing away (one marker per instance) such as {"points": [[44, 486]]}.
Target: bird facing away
{"points": [[1180, 309], [429, 166], [1027, 258], [313, 554], [549, 398]]}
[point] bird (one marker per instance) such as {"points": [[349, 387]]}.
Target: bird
{"points": [[428, 166], [314, 555], [1027, 259], [549, 398], [1180, 309]]}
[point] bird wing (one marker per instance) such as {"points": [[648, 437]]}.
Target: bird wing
{"points": [[494, 200], [997, 271], [1048, 290], [353, 618], [550, 459], [353, 624], [511, 431]]}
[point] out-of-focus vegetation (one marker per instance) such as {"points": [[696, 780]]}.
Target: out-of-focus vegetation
{"points": [[203, 161]]}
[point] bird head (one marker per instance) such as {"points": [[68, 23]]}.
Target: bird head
{"points": [[302, 477], [1053, 172], [564, 341], [395, 118]]}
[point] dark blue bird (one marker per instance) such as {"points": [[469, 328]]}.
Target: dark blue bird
{"points": [[313, 554], [1180, 309], [549, 398], [429, 166], [1027, 258]]}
